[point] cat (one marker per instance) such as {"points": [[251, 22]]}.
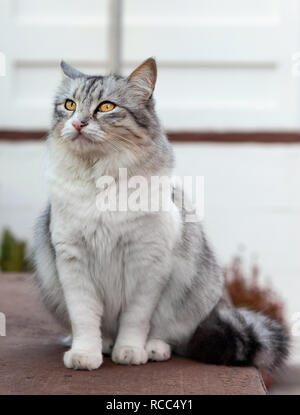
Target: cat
{"points": [[134, 285]]}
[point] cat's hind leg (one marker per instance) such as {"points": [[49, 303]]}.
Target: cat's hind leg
{"points": [[158, 350]]}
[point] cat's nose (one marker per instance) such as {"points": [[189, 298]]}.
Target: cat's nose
{"points": [[79, 124]]}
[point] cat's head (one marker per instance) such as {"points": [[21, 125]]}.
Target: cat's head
{"points": [[106, 113]]}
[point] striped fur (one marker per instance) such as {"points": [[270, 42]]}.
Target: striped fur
{"points": [[134, 285], [240, 337]]}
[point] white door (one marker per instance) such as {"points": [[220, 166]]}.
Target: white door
{"points": [[34, 36], [223, 64]]}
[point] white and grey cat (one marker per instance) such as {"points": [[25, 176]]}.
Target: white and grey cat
{"points": [[134, 285]]}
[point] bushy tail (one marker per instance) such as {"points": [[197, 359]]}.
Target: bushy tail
{"points": [[240, 337]]}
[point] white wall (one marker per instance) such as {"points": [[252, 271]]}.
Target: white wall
{"points": [[251, 198], [222, 64]]}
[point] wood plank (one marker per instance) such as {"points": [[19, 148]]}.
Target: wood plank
{"points": [[209, 136]]}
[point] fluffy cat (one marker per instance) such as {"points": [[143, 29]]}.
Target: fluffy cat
{"points": [[135, 285]]}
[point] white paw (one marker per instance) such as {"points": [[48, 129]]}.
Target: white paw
{"points": [[129, 355], [82, 359], [158, 350], [107, 346]]}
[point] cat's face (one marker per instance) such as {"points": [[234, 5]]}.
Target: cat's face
{"points": [[105, 113]]}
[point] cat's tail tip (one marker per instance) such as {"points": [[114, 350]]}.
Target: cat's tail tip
{"points": [[240, 337]]}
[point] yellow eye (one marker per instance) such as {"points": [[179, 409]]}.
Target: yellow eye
{"points": [[106, 106], [70, 105]]}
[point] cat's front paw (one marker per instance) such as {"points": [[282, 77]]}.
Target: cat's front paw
{"points": [[82, 359], [158, 350], [129, 355]]}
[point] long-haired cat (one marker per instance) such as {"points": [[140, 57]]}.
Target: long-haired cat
{"points": [[139, 284]]}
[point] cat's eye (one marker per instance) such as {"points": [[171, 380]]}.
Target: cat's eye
{"points": [[70, 105], [106, 106]]}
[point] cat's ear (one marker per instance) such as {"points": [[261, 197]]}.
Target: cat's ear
{"points": [[144, 77], [69, 71]]}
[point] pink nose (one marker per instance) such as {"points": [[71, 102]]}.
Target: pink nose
{"points": [[79, 124]]}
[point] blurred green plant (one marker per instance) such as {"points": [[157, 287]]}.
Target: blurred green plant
{"points": [[13, 254]]}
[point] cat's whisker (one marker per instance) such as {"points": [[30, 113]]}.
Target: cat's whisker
{"points": [[122, 138]]}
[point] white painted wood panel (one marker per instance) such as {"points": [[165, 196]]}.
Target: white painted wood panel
{"points": [[223, 65], [35, 36]]}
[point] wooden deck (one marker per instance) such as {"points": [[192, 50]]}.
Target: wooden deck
{"points": [[31, 359]]}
